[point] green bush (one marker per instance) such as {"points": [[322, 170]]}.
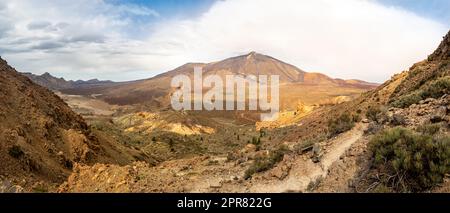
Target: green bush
{"points": [[262, 133], [256, 141], [429, 129], [408, 100], [376, 113], [340, 125], [266, 163], [437, 88], [356, 118], [372, 112], [434, 89], [412, 161]]}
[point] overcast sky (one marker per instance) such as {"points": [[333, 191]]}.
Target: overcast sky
{"points": [[125, 40]]}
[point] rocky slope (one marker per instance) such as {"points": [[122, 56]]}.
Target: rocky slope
{"points": [[41, 138]]}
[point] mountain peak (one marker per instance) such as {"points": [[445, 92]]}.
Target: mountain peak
{"points": [[46, 74], [251, 55], [443, 51], [2, 61]]}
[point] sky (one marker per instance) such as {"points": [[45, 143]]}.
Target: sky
{"points": [[126, 40]]}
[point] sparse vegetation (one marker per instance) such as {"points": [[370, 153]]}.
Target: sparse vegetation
{"points": [[434, 89], [171, 143], [262, 133], [407, 100], [411, 161], [256, 141], [356, 118], [15, 151], [40, 189], [127, 138], [308, 143], [429, 129], [314, 184], [376, 113], [265, 163], [373, 128], [398, 120], [340, 125]]}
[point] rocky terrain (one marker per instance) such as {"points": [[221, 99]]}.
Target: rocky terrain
{"points": [[42, 138], [341, 138], [330, 149]]}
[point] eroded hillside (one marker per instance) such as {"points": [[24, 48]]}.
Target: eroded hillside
{"points": [[41, 138]]}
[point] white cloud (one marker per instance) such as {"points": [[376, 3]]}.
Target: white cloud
{"points": [[346, 38]]}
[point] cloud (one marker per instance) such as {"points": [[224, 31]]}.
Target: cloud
{"points": [[37, 25], [48, 45], [96, 39], [346, 38], [91, 38]]}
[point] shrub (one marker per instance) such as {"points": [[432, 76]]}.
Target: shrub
{"points": [[398, 120], [15, 151], [256, 141], [373, 128], [342, 124], [407, 100], [171, 142], [231, 156], [411, 161], [262, 133], [376, 113], [437, 88], [265, 163], [356, 118], [429, 129], [371, 113], [434, 89]]}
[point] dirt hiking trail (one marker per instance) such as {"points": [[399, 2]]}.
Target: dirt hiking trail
{"points": [[304, 172]]}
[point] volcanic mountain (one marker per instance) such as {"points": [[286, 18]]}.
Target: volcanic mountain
{"points": [[296, 84]]}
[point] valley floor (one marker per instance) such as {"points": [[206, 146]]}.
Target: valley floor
{"points": [[295, 173]]}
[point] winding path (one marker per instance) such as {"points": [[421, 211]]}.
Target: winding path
{"points": [[304, 171]]}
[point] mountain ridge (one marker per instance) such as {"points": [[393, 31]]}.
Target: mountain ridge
{"points": [[157, 89], [236, 65], [54, 83]]}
